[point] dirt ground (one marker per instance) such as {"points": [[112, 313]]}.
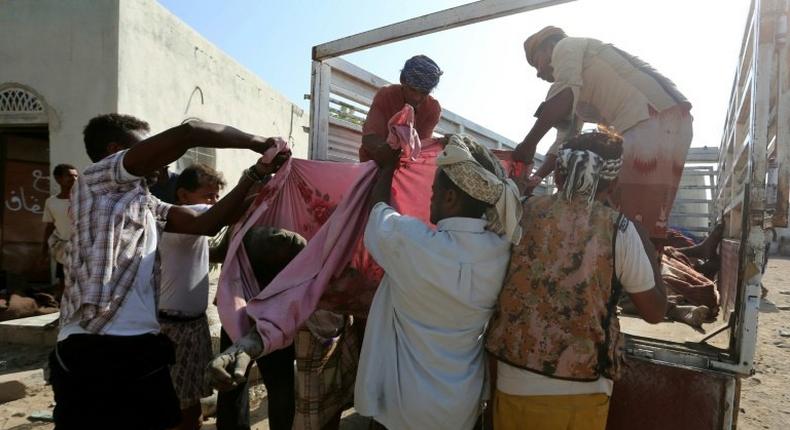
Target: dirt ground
{"points": [[765, 397]]}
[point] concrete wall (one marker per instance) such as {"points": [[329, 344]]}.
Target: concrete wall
{"points": [[168, 73], [66, 53]]}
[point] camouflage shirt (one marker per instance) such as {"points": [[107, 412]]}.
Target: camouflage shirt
{"points": [[555, 312]]}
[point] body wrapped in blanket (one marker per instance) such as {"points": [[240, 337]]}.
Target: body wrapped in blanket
{"points": [[689, 271]]}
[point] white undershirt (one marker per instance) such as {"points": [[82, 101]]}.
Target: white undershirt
{"points": [[635, 273], [184, 271]]}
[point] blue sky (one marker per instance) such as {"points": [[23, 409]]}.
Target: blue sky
{"points": [[693, 42]]}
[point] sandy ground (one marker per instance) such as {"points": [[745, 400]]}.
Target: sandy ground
{"points": [[765, 397]]}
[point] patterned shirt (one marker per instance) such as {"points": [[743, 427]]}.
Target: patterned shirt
{"points": [[109, 214]]}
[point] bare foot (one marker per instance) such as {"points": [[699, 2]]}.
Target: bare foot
{"points": [[694, 316]]}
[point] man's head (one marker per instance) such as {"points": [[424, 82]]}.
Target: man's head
{"points": [[270, 249], [592, 161], [448, 198], [419, 77], [109, 133], [65, 175], [199, 184], [539, 47]]}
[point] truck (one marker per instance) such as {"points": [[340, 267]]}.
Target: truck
{"points": [[693, 379]]}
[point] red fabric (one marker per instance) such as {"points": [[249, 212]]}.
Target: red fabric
{"points": [[327, 203], [679, 276], [386, 103]]}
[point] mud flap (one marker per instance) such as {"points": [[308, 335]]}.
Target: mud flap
{"points": [[661, 396]]}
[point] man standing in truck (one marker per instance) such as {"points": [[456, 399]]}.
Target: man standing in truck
{"points": [[596, 82], [419, 77]]}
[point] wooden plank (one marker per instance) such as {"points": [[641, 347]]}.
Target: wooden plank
{"points": [[683, 201], [704, 154], [697, 187], [689, 215], [459, 16]]}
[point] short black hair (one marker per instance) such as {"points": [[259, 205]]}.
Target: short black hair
{"points": [[62, 169], [198, 175], [277, 247], [108, 128]]}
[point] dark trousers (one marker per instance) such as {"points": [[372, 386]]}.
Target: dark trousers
{"points": [[277, 371], [118, 382]]}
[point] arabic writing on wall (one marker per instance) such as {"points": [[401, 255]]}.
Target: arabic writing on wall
{"points": [[19, 200]]}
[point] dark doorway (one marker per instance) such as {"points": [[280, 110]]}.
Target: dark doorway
{"points": [[24, 163]]}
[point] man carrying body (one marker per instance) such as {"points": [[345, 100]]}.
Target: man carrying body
{"points": [[419, 77], [599, 83], [422, 363], [555, 332], [110, 365]]}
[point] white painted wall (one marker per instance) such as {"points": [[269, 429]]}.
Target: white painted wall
{"points": [[66, 53], [161, 63]]}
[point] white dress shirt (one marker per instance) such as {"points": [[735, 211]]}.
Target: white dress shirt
{"points": [[422, 364]]}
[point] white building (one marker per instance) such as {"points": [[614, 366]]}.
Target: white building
{"points": [[64, 62]]}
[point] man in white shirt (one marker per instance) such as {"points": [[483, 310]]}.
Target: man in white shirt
{"points": [[422, 364], [555, 332], [184, 293], [109, 368], [56, 217]]}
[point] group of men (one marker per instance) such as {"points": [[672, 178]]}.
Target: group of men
{"points": [[531, 282]]}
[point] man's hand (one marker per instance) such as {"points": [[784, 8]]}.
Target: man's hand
{"points": [[525, 153], [384, 156], [229, 368], [532, 182], [266, 169], [261, 144]]}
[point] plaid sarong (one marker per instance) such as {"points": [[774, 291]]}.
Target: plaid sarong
{"points": [[325, 374], [192, 341]]}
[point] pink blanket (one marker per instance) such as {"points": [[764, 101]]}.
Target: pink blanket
{"points": [[327, 203]]}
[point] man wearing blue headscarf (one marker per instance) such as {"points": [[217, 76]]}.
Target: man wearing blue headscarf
{"points": [[418, 78]]}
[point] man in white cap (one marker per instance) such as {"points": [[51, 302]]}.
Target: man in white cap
{"points": [[422, 364], [598, 83]]}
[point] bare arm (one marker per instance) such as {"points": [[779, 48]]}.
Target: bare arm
{"points": [[387, 160], [547, 167], [382, 189], [651, 304], [168, 146], [183, 220], [553, 111]]}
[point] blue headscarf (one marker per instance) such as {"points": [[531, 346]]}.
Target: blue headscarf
{"points": [[421, 73]]}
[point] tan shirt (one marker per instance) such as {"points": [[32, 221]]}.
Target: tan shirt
{"points": [[610, 86]]}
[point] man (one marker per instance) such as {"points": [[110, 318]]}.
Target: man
{"points": [[420, 75], [164, 188], [184, 293], [56, 217], [269, 250], [110, 364], [422, 361], [599, 83], [555, 332]]}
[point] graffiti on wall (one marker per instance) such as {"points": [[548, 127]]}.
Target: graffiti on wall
{"points": [[18, 200]]}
